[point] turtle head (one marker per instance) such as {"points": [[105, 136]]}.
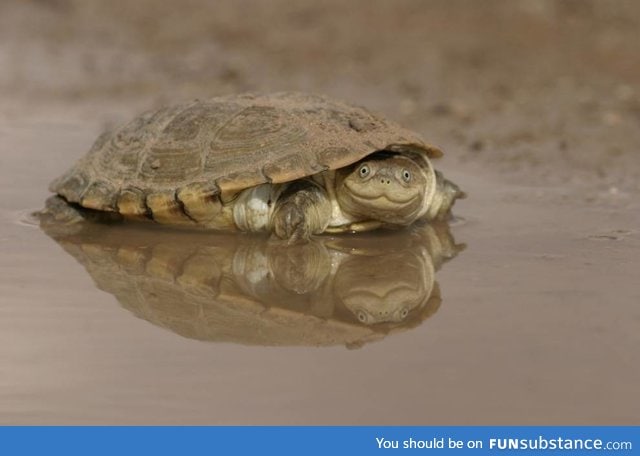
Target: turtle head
{"points": [[385, 287], [384, 186]]}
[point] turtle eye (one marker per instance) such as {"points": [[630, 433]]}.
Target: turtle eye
{"points": [[406, 175], [364, 171]]}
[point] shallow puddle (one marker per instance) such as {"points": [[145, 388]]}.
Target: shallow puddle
{"points": [[536, 321]]}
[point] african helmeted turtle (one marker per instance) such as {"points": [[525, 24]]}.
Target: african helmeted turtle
{"points": [[288, 163]]}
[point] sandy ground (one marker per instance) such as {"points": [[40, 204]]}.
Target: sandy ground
{"points": [[537, 105]]}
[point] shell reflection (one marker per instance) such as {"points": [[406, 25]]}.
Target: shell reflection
{"points": [[346, 290]]}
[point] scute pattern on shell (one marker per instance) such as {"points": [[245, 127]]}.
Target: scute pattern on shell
{"points": [[228, 144]]}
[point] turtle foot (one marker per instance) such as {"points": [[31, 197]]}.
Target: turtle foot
{"points": [[302, 210]]}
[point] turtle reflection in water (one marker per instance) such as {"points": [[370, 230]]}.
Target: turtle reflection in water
{"points": [[345, 290]]}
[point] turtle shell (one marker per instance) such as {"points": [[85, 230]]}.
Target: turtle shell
{"points": [[182, 155]]}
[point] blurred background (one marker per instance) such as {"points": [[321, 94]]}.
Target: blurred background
{"points": [[545, 91]]}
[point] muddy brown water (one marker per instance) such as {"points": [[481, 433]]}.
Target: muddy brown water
{"points": [[535, 322]]}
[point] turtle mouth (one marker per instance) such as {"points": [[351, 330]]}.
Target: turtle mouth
{"points": [[382, 203], [380, 199]]}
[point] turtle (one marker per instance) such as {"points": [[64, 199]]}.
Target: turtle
{"points": [[244, 289], [291, 164]]}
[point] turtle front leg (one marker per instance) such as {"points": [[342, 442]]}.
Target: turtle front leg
{"points": [[303, 209]]}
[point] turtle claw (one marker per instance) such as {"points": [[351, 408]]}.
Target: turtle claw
{"points": [[291, 224], [299, 237], [301, 211]]}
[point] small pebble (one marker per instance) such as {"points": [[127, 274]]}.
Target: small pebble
{"points": [[477, 145], [611, 118]]}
